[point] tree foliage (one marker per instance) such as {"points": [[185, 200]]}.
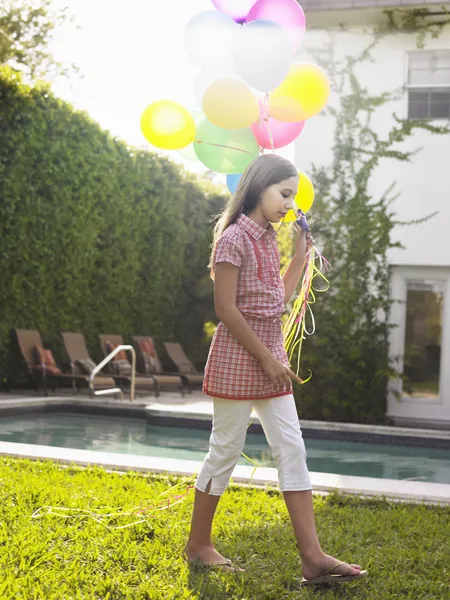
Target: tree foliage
{"points": [[26, 30], [95, 236]]}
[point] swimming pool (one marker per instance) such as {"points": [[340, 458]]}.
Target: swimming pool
{"points": [[129, 435]]}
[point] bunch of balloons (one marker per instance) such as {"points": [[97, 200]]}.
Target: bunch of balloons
{"points": [[253, 93]]}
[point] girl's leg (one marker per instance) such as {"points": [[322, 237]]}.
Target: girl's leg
{"points": [[230, 422], [279, 419]]}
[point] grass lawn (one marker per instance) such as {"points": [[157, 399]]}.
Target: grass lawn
{"points": [[405, 547]]}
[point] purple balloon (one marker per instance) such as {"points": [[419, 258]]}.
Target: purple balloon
{"points": [[238, 9], [287, 13], [301, 222]]}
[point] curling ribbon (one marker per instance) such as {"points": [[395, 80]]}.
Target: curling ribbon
{"points": [[295, 329]]}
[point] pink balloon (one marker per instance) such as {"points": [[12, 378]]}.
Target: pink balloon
{"points": [[238, 9], [287, 13], [271, 134]]}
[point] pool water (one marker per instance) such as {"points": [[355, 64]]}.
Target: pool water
{"points": [[135, 436]]}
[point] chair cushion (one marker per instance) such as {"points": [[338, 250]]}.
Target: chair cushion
{"points": [[44, 358], [121, 367], [86, 365], [104, 382], [144, 382], [122, 355], [150, 358], [162, 379], [193, 378]]}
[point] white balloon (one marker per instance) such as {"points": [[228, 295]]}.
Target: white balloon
{"points": [[208, 40], [262, 54]]}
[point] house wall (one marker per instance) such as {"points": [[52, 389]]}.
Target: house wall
{"points": [[422, 184]]}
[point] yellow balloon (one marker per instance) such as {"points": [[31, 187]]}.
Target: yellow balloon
{"points": [[304, 198], [167, 125], [230, 104], [303, 93]]}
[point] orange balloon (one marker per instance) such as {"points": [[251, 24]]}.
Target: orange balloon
{"points": [[303, 93], [230, 104]]}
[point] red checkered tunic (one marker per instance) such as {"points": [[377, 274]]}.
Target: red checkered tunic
{"points": [[231, 371]]}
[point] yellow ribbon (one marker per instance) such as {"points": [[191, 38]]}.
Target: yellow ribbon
{"points": [[295, 330]]}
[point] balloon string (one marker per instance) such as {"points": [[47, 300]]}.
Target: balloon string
{"points": [[223, 146], [295, 329], [103, 515], [266, 119], [103, 518], [261, 120]]}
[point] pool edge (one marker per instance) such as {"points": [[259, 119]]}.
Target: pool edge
{"points": [[200, 415], [391, 489]]}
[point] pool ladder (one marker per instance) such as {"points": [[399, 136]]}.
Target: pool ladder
{"points": [[104, 362]]}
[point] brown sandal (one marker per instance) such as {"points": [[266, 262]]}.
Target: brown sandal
{"points": [[331, 577]]}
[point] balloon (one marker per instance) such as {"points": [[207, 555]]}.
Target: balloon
{"points": [[188, 152], [262, 54], [238, 9], [287, 13], [167, 125], [305, 192], [232, 182], [224, 150], [304, 198], [303, 93], [230, 104], [208, 40], [205, 78], [272, 134]]}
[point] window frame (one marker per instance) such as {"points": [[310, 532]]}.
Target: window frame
{"points": [[413, 283], [400, 276], [427, 87]]}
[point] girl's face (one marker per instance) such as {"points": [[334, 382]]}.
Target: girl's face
{"points": [[277, 200]]}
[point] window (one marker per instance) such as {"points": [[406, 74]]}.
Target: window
{"points": [[429, 84], [423, 338]]}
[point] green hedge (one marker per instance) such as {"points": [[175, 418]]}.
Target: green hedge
{"points": [[95, 236]]}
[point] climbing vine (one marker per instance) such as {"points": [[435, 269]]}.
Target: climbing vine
{"points": [[421, 21], [349, 353]]}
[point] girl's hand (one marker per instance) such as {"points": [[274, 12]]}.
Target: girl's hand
{"points": [[303, 240], [279, 374]]}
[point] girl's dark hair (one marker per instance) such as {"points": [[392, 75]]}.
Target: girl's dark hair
{"points": [[264, 171]]}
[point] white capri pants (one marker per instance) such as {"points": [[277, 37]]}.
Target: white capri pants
{"points": [[279, 420]]}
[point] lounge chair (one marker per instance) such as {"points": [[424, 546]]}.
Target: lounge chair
{"points": [[183, 364], [42, 367], [152, 365], [120, 366], [82, 364]]}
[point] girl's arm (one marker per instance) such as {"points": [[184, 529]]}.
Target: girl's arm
{"points": [[295, 268], [225, 289]]}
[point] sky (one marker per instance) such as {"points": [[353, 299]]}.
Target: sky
{"points": [[129, 53]]}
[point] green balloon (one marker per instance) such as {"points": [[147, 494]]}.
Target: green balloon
{"points": [[227, 151]]}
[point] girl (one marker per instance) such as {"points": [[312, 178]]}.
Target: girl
{"points": [[248, 367]]}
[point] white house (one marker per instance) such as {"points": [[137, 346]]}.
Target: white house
{"points": [[420, 272]]}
